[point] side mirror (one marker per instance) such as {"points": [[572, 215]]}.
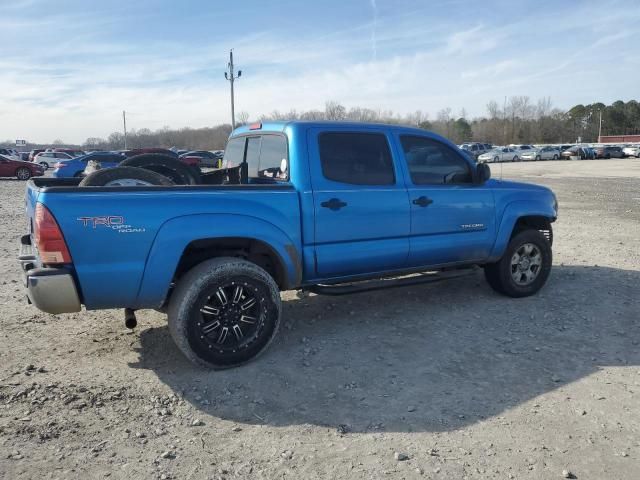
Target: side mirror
{"points": [[483, 172]]}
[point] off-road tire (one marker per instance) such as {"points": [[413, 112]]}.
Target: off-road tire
{"points": [[499, 276], [166, 165], [101, 178], [198, 287]]}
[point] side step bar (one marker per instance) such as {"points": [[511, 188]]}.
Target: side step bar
{"points": [[372, 285]]}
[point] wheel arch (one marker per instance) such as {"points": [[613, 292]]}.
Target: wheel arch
{"points": [[183, 242], [518, 216]]}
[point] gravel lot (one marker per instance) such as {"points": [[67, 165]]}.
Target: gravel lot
{"points": [[443, 381]]}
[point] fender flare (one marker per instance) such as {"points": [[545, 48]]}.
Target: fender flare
{"points": [[176, 234], [512, 212]]}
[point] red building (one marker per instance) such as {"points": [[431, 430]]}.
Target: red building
{"points": [[619, 139]]}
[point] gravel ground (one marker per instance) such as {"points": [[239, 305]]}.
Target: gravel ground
{"points": [[443, 381]]}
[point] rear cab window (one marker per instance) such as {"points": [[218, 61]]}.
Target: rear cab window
{"points": [[266, 156]]}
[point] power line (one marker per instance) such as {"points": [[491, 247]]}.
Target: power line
{"points": [[229, 76]]}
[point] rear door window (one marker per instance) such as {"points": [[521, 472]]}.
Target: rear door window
{"points": [[356, 158]]}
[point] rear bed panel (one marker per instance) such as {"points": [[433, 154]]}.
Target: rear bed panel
{"points": [[110, 232]]}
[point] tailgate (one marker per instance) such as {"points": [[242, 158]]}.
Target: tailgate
{"points": [[31, 197]]}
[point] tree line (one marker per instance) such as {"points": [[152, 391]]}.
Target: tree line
{"points": [[518, 119]]}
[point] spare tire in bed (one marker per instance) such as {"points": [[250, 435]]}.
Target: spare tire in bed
{"points": [[124, 177], [170, 167]]}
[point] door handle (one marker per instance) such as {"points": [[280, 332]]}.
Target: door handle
{"points": [[334, 204], [423, 201]]}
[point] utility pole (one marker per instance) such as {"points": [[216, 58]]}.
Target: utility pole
{"points": [[600, 127], [124, 122], [229, 76]]}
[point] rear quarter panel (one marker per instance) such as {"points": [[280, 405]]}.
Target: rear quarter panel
{"points": [[110, 260]]}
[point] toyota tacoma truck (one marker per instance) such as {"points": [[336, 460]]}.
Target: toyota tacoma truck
{"points": [[326, 207]]}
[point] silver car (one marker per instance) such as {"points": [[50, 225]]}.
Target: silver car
{"points": [[631, 150], [501, 154], [544, 153]]}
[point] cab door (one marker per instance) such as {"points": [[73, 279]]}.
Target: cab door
{"points": [[452, 218], [362, 218]]}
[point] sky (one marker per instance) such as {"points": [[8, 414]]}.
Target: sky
{"points": [[68, 68]]}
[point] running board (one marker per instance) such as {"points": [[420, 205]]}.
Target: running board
{"points": [[372, 285]]}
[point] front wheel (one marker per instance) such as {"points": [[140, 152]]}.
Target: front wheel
{"points": [[496, 159], [45, 165], [555, 157], [515, 159], [524, 267], [538, 158], [224, 312]]}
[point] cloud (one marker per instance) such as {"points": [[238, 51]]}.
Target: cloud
{"points": [[75, 83]]}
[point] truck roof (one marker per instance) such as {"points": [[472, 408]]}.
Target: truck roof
{"points": [[280, 126]]}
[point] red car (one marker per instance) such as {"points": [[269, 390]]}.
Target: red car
{"points": [[19, 169]]}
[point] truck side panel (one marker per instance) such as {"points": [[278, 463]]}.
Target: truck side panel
{"points": [[110, 234], [172, 241]]}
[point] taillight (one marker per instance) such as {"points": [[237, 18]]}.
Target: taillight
{"points": [[51, 245], [59, 165]]}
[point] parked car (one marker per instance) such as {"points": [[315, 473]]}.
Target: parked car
{"points": [[523, 148], [140, 151], [34, 152], [544, 153], [475, 148], [74, 167], [631, 150], [48, 159], [589, 153], [9, 153], [502, 154], [24, 156], [73, 152], [22, 170], [612, 151], [574, 151], [207, 159]]}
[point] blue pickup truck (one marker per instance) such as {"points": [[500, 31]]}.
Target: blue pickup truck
{"points": [[327, 207]]}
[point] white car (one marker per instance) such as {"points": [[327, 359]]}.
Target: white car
{"points": [[544, 153], [47, 159], [9, 153], [632, 151], [502, 154]]}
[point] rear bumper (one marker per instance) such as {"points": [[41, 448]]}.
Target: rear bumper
{"points": [[52, 290]]}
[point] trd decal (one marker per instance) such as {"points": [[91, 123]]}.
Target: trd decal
{"points": [[114, 222], [467, 226]]}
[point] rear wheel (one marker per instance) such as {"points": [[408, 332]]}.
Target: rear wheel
{"points": [[496, 159], [538, 158], [515, 159], [23, 173], [45, 165], [224, 312], [524, 267], [555, 157]]}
